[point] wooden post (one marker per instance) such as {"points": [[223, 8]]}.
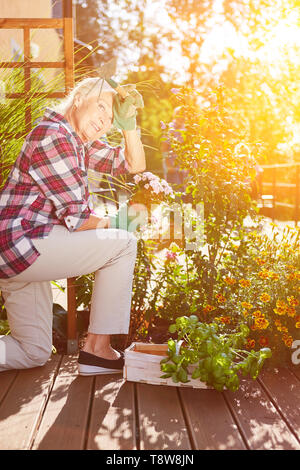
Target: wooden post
{"points": [[27, 79], [68, 46], [72, 340], [274, 193], [297, 196]]}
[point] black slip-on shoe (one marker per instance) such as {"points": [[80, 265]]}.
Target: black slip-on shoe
{"points": [[89, 364]]}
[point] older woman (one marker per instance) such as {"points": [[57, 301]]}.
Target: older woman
{"points": [[48, 231]]}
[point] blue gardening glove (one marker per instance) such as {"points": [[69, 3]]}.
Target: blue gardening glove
{"points": [[125, 109], [124, 221]]}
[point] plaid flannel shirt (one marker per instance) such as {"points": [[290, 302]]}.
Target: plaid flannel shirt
{"points": [[48, 185]]}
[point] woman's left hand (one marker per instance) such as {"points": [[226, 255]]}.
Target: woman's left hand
{"points": [[124, 110]]}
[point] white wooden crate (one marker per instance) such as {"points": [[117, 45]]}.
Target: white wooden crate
{"points": [[142, 364]]}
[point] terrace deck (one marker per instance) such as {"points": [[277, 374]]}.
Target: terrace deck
{"points": [[53, 408]]}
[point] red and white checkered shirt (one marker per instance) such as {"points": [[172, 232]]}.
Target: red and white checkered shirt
{"points": [[48, 185]]}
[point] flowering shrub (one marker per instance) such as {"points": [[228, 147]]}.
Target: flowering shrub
{"points": [[150, 189]]}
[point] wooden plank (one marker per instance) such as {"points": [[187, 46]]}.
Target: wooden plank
{"points": [[64, 422], [284, 388], [258, 420], [19, 65], [6, 379], [69, 54], [22, 407], [210, 422], [112, 425], [161, 420], [296, 371], [33, 23], [57, 94]]}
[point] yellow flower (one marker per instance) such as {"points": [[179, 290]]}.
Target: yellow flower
{"points": [[230, 280], [244, 283], [245, 313], [297, 325], [208, 308], [261, 323], [260, 261], [265, 297], [220, 298], [288, 341], [291, 311], [257, 314], [290, 277], [279, 310], [264, 274], [292, 301], [274, 276], [246, 305], [281, 304], [297, 275]]}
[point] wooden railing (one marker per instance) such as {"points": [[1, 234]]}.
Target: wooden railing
{"points": [[270, 191]]}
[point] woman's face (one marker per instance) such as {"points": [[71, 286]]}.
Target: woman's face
{"points": [[92, 116]]}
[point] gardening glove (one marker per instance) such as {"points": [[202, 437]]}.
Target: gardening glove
{"points": [[124, 221], [125, 109]]}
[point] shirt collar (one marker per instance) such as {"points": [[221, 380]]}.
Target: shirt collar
{"points": [[51, 115]]}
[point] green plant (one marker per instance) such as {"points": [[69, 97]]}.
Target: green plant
{"points": [[217, 357]]}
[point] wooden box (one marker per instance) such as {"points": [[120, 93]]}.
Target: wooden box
{"points": [[142, 364]]}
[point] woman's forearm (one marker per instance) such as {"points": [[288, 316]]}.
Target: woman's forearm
{"points": [[134, 152], [94, 222]]}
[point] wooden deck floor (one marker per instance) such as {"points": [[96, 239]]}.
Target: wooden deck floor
{"points": [[53, 408]]}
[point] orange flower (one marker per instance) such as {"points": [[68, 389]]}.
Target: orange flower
{"points": [[230, 280], [225, 320], [292, 301], [208, 308], [245, 313], [265, 297], [261, 323], [273, 276], [279, 310], [257, 314], [244, 283], [260, 261], [280, 303], [220, 298], [263, 341], [290, 277], [250, 343], [246, 305], [291, 311], [288, 341], [264, 274]]}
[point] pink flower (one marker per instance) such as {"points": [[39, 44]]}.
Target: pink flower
{"points": [[163, 125], [171, 256], [137, 179], [175, 91]]}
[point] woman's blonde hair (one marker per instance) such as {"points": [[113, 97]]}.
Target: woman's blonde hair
{"points": [[92, 86]]}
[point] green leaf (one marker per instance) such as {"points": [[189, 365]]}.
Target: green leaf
{"points": [[172, 329]]}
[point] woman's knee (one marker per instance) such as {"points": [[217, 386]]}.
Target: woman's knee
{"points": [[36, 355]]}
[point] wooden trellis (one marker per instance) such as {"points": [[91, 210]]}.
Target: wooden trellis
{"points": [[66, 25]]}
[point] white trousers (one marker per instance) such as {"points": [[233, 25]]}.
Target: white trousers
{"points": [[28, 298]]}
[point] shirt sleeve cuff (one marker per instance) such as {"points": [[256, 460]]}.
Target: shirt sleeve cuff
{"points": [[74, 219]]}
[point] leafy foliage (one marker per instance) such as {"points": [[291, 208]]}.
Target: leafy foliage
{"points": [[217, 357]]}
